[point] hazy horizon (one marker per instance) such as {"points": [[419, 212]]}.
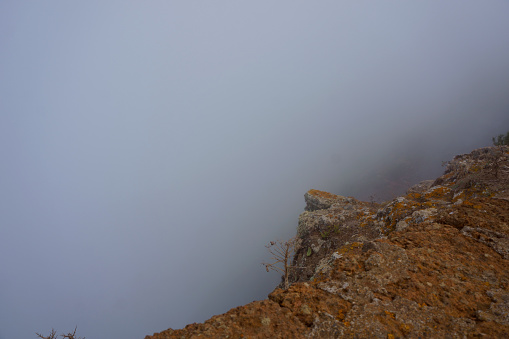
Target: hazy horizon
{"points": [[150, 150]]}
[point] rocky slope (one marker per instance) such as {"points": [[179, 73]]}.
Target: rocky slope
{"points": [[431, 264]]}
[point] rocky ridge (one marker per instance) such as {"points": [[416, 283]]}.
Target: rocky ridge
{"points": [[431, 264]]}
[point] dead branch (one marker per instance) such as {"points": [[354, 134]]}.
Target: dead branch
{"points": [[53, 335], [282, 253]]}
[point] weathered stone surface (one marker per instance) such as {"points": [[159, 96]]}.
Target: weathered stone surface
{"points": [[431, 264], [319, 200], [423, 186], [498, 241]]}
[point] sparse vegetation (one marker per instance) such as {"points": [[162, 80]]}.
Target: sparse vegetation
{"points": [[282, 254], [53, 335], [501, 139], [334, 228]]}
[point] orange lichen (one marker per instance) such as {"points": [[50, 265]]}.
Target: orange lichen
{"points": [[475, 168], [437, 193], [405, 328], [390, 314], [365, 220], [400, 211], [413, 196], [322, 194], [471, 204], [349, 247], [341, 315], [318, 279]]}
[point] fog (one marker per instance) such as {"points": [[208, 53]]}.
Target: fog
{"points": [[150, 149]]}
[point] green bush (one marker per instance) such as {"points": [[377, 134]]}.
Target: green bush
{"points": [[501, 140]]}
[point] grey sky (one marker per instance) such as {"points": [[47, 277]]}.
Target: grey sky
{"points": [[150, 149]]}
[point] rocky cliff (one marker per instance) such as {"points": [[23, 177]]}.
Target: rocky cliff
{"points": [[431, 264]]}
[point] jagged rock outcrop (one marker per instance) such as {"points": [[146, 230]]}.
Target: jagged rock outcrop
{"points": [[431, 264]]}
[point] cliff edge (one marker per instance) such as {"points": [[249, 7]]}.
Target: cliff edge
{"points": [[431, 264]]}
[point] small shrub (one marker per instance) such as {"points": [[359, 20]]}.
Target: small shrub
{"points": [[282, 253], [53, 335], [501, 140]]}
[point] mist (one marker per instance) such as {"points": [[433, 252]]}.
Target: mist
{"points": [[151, 149]]}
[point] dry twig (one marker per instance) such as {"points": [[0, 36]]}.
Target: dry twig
{"points": [[53, 335], [282, 253]]}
